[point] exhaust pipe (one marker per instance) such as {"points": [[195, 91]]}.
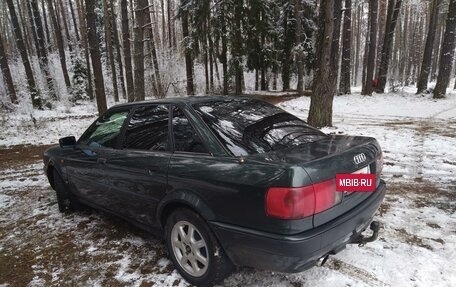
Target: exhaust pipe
{"points": [[322, 260]]}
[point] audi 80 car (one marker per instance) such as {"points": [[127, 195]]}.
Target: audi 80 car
{"points": [[226, 181]]}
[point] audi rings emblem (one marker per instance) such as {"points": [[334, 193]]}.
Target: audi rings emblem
{"points": [[359, 158]]}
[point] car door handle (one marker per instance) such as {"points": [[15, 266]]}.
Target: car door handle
{"points": [[102, 160]]}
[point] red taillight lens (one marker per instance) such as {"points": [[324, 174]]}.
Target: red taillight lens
{"points": [[300, 202], [290, 202], [326, 195]]}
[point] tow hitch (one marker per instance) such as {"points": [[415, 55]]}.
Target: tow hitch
{"points": [[361, 240]]}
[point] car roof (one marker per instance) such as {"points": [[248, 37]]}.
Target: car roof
{"points": [[182, 100]]}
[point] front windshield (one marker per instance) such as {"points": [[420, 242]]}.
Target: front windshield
{"points": [[246, 126]]}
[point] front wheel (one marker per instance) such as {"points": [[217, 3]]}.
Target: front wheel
{"points": [[194, 250]]}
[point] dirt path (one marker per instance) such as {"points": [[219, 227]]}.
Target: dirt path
{"points": [[21, 155]]}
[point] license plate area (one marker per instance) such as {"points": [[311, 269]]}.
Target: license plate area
{"points": [[364, 170]]}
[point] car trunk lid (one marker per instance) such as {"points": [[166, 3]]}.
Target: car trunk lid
{"points": [[332, 155]]}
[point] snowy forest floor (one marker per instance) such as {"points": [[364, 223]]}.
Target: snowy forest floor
{"points": [[417, 244]]}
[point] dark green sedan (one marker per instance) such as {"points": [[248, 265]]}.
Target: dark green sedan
{"points": [[227, 181]]}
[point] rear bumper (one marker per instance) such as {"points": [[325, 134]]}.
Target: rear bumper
{"points": [[295, 253]]}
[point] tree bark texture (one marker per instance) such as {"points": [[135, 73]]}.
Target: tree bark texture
{"points": [[33, 89], [373, 11], [127, 51], [393, 14], [345, 83], [427, 54], [446, 53], [320, 113], [95, 55], [10, 90]]}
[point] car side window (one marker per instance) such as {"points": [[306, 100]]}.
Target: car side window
{"points": [[106, 130], [185, 137], [148, 129]]}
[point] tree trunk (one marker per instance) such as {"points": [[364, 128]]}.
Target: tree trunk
{"points": [[335, 45], [320, 112], [48, 34], [127, 51], [140, 5], [153, 50], [110, 47], [117, 45], [358, 44], [382, 15], [446, 53], [344, 87], [427, 55], [33, 89], [58, 36], [393, 14], [187, 51], [168, 11], [26, 38], [82, 24], [11, 92], [237, 47], [95, 55], [73, 16], [286, 53], [299, 55], [223, 56], [43, 58], [31, 20], [437, 44], [373, 10], [163, 25], [65, 26]]}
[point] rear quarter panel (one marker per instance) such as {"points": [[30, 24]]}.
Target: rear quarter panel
{"points": [[234, 191]]}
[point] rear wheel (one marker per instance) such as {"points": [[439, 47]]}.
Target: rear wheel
{"points": [[66, 201], [194, 250]]}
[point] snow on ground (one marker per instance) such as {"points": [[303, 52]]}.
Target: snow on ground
{"points": [[417, 245]]}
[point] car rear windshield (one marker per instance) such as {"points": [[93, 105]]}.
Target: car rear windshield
{"points": [[248, 126]]}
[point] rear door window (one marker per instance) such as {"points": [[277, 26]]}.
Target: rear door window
{"points": [[148, 129], [185, 137], [246, 126]]}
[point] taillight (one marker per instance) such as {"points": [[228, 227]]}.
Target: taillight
{"points": [[300, 202], [290, 202]]}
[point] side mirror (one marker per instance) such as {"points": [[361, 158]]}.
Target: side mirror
{"points": [[67, 141]]}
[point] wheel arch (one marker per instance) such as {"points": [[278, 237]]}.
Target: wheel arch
{"points": [[183, 199], [51, 166]]}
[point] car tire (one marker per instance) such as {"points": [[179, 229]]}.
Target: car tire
{"points": [[66, 201], [194, 250]]}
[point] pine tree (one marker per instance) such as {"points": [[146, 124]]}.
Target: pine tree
{"points": [[187, 42], [320, 112], [427, 55], [33, 89], [59, 39], [127, 51], [11, 92], [95, 55], [345, 82], [446, 53], [367, 85], [394, 8]]}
